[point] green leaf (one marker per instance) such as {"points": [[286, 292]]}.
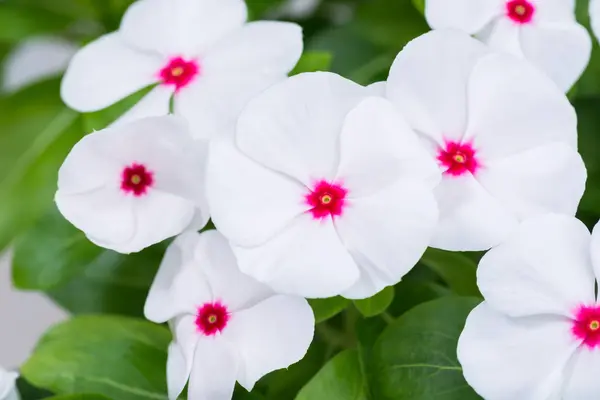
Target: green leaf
{"points": [[456, 269], [340, 379], [18, 22], [312, 61], [415, 357], [256, 8], [376, 304], [589, 142], [120, 358], [419, 5], [328, 308], [36, 133], [79, 396]]}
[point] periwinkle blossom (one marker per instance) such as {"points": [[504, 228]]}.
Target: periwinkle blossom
{"points": [[325, 191], [537, 335], [545, 32], [226, 326], [134, 185], [201, 53]]}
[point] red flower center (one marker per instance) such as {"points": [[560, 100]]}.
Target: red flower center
{"points": [[586, 326], [520, 11], [136, 179], [179, 72], [212, 318], [326, 199], [458, 158]]}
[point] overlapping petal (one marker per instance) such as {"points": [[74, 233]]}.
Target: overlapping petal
{"points": [[215, 370], [467, 15], [581, 376]]}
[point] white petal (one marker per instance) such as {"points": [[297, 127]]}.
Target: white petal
{"points": [[378, 149], [595, 250], [562, 52], [555, 11], [259, 48], [106, 71], [272, 335], [467, 15], [595, 17], [470, 218], [212, 104], [513, 108], [8, 385], [249, 204], [548, 178], [377, 89], [301, 120], [214, 372], [181, 27], [228, 284], [306, 259], [387, 233], [582, 377], [507, 358], [155, 103], [544, 267], [502, 35], [178, 371], [36, 59], [179, 285], [428, 82]]}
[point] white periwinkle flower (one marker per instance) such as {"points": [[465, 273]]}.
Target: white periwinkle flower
{"points": [[200, 51], [545, 32], [326, 190], [594, 12], [8, 388], [227, 327], [134, 185], [537, 335], [504, 135]]}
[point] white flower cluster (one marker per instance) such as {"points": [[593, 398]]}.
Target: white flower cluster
{"points": [[321, 187]]}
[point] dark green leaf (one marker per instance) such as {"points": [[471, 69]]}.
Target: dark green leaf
{"points": [[79, 396], [327, 308], [340, 379], [419, 5], [120, 358], [456, 269], [312, 61], [415, 357], [376, 304], [18, 22]]}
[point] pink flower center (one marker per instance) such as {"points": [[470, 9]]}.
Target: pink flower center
{"points": [[136, 179], [326, 199], [179, 72], [520, 11], [586, 326], [458, 158], [212, 318]]}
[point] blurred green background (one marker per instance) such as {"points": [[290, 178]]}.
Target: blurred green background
{"points": [[373, 349]]}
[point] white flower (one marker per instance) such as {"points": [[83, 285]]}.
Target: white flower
{"points": [[132, 186], [36, 59], [545, 32], [8, 388], [326, 191], [226, 326], [594, 12], [537, 335], [504, 135], [200, 51]]}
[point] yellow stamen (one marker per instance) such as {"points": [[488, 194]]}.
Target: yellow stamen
{"points": [[177, 71], [212, 319], [520, 10], [595, 325], [326, 199], [136, 179], [459, 158]]}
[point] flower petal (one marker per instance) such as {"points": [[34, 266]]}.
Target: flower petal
{"points": [[562, 52], [155, 103], [106, 71], [513, 108], [181, 27], [387, 233], [555, 11], [508, 358], [595, 17], [428, 82], [228, 284], [467, 15], [544, 267], [377, 89], [595, 250], [301, 120], [581, 380], [306, 259], [258, 48], [178, 371], [548, 178], [470, 218], [249, 203], [378, 149], [8, 385], [272, 335], [179, 285], [214, 372], [502, 35]]}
